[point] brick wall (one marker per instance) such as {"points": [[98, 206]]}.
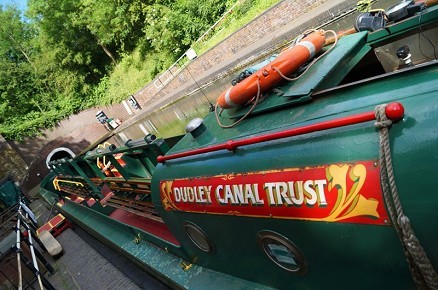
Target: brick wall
{"points": [[76, 133]]}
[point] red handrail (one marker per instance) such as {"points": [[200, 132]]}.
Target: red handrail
{"points": [[394, 111]]}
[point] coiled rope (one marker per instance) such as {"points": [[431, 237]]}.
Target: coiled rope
{"points": [[420, 266]]}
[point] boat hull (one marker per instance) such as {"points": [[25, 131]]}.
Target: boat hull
{"points": [[338, 253]]}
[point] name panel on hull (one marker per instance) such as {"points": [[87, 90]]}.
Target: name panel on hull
{"points": [[348, 192]]}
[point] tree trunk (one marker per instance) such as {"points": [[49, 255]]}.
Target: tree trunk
{"points": [[108, 53], [22, 51]]}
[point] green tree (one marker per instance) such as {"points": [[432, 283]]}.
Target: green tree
{"points": [[75, 46], [15, 36], [35, 90], [116, 25], [175, 26], [72, 54], [17, 69]]}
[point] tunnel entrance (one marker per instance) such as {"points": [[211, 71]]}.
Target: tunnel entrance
{"points": [[59, 153]]}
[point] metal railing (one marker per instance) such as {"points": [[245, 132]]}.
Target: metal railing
{"points": [[170, 73]]}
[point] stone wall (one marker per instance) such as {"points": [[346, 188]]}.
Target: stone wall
{"points": [[82, 126], [76, 133], [12, 164]]}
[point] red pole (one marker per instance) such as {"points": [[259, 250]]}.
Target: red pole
{"points": [[394, 111]]}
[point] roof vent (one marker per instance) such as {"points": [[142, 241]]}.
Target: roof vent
{"points": [[196, 127]]}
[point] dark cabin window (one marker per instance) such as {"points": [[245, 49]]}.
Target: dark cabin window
{"points": [[423, 48]]}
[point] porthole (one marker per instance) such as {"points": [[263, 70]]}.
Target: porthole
{"points": [[198, 237], [283, 252]]}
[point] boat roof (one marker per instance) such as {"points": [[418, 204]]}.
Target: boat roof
{"points": [[333, 68], [355, 71]]}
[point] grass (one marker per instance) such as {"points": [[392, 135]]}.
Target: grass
{"points": [[132, 73]]}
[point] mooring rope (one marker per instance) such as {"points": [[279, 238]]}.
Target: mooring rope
{"points": [[420, 266]]}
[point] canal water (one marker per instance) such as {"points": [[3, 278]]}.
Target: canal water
{"points": [[171, 119]]}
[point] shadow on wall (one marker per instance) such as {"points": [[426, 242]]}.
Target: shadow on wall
{"points": [[38, 168], [30, 148]]}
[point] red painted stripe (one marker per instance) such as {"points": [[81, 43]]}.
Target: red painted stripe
{"points": [[153, 227], [394, 111]]}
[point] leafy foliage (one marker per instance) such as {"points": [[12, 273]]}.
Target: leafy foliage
{"points": [[66, 56]]}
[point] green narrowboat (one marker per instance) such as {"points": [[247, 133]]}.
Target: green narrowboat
{"points": [[326, 181]]}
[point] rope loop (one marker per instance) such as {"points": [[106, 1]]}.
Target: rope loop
{"points": [[383, 124], [421, 268]]}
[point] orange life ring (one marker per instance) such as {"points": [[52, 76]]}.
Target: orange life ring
{"points": [[287, 62]]}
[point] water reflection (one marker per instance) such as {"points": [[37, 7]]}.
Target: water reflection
{"points": [[172, 119]]}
